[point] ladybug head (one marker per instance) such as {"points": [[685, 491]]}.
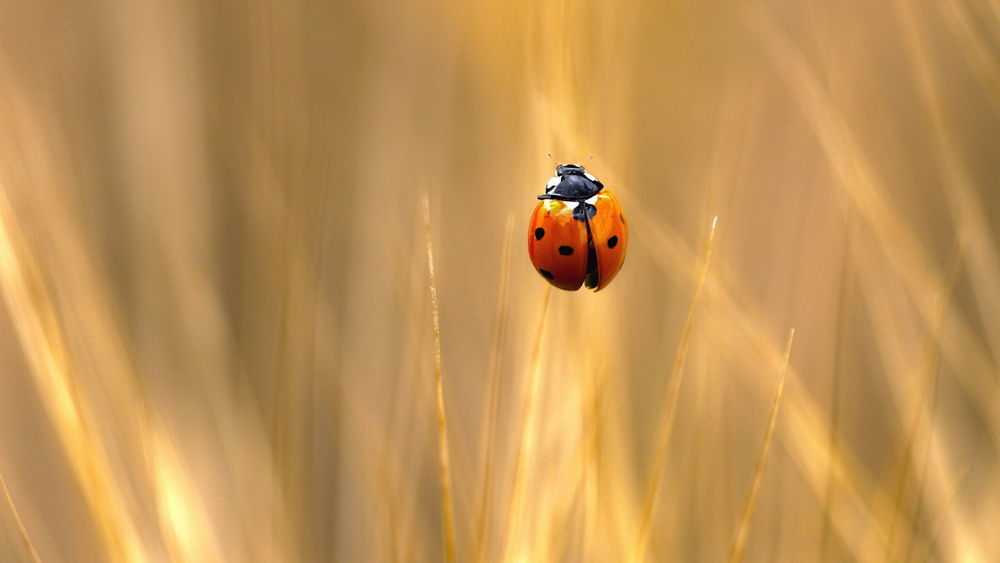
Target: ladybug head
{"points": [[571, 183], [570, 170]]}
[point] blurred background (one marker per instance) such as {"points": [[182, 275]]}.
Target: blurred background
{"points": [[216, 338]]}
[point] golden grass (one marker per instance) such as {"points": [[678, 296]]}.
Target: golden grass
{"points": [[843, 295], [38, 329], [669, 408], [743, 526], [444, 459], [29, 548], [526, 434], [915, 450], [491, 414], [213, 244]]}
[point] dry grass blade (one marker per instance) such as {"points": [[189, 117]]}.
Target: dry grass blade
{"points": [[919, 431], [860, 497], [490, 414], [835, 395], [669, 410], [38, 328], [526, 433], [447, 509], [740, 539], [975, 48], [967, 350], [25, 540], [956, 174], [897, 244]]}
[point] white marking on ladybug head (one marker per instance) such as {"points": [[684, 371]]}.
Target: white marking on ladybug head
{"points": [[553, 182], [590, 176], [592, 200]]}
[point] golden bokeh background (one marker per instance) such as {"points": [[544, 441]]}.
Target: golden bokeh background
{"points": [[217, 334]]}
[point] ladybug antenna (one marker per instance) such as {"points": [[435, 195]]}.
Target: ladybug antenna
{"points": [[553, 158]]}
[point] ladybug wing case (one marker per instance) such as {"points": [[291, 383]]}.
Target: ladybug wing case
{"points": [[610, 237], [557, 244]]}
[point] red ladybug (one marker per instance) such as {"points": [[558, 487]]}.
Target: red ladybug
{"points": [[577, 234]]}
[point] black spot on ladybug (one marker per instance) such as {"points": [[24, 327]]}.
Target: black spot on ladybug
{"points": [[539, 233], [565, 250], [546, 274], [612, 242], [584, 211]]}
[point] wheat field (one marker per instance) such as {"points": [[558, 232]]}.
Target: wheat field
{"points": [[266, 297]]}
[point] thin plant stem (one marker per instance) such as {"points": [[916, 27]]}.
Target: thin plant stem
{"points": [[835, 399], [447, 509], [493, 378], [524, 436], [662, 440], [28, 546], [740, 538]]}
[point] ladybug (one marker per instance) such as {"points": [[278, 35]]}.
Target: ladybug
{"points": [[577, 235]]}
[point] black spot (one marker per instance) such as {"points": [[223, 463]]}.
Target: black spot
{"points": [[565, 250], [546, 274], [613, 242], [539, 233], [584, 211]]}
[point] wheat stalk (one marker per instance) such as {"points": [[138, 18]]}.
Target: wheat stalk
{"points": [[740, 538], [669, 409], [444, 464]]}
